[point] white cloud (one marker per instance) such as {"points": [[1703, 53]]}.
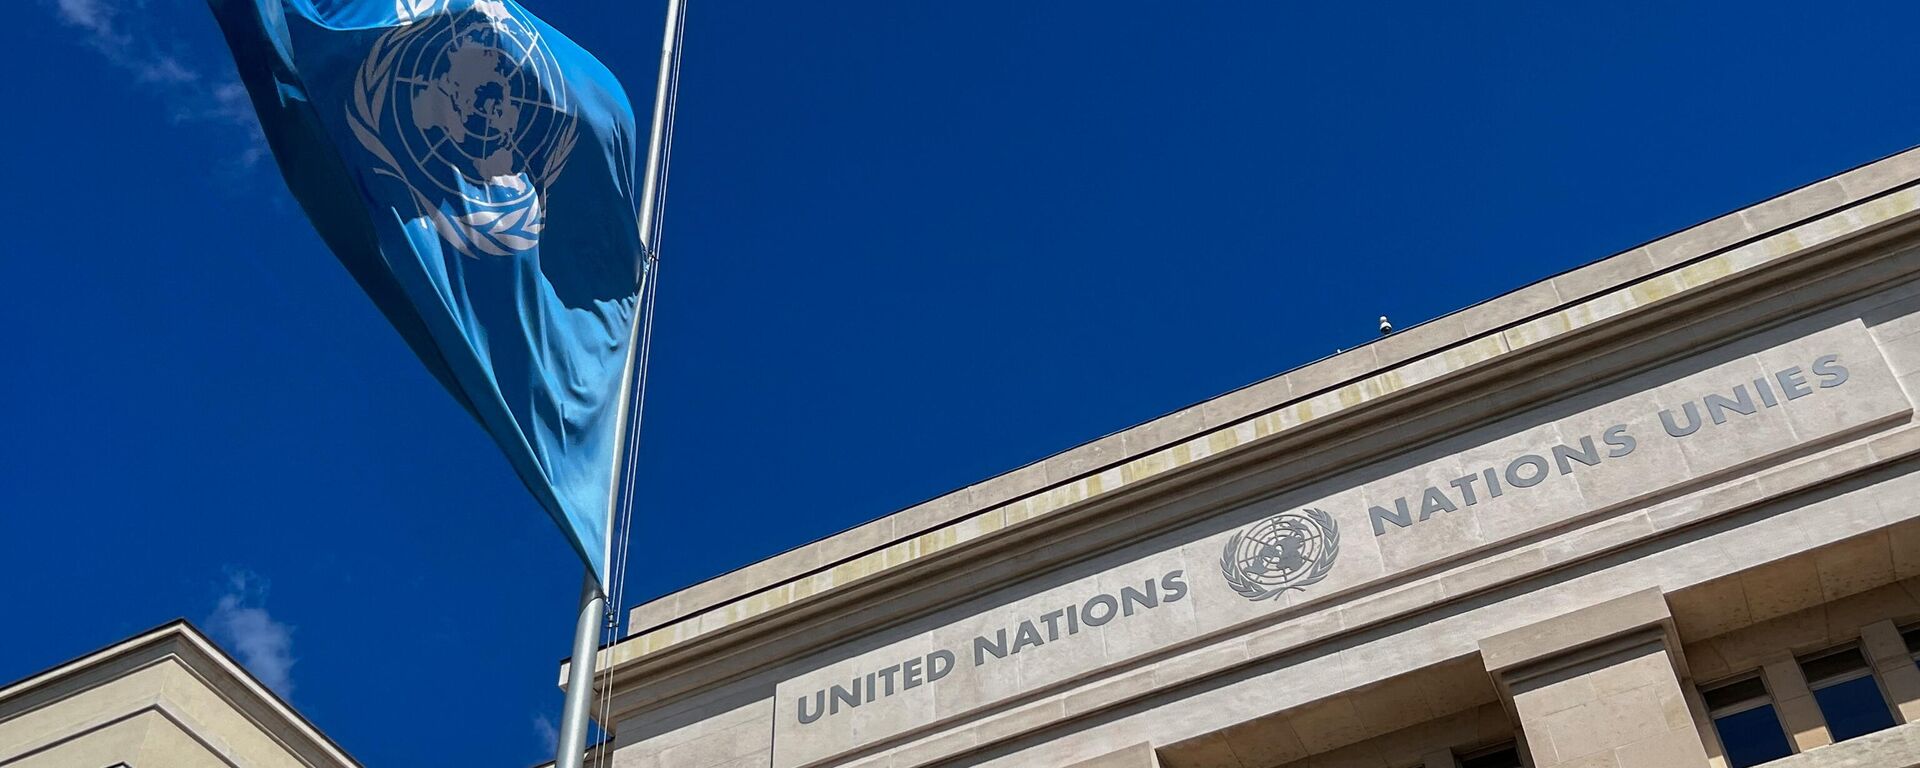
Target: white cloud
{"points": [[100, 21], [548, 732], [95, 15], [116, 30], [241, 623], [167, 70]]}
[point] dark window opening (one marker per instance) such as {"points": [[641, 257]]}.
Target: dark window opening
{"points": [[1503, 756], [1849, 697], [1743, 715]]}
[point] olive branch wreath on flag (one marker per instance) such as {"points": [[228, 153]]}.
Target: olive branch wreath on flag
{"points": [[496, 233]]}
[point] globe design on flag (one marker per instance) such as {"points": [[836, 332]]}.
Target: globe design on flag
{"points": [[1291, 550], [468, 108]]}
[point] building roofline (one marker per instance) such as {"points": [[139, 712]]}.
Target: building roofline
{"points": [[31, 680], [1533, 313], [264, 700]]}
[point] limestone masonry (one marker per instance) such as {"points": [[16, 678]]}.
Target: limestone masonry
{"points": [[1531, 469], [1657, 511], [1058, 623]]}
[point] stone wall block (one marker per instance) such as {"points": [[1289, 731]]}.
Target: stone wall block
{"points": [[1854, 566], [1333, 371], [1328, 724], [1801, 717], [1699, 240], [1604, 275], [1206, 751], [971, 686], [1893, 664], [1258, 397], [1796, 206], [1799, 713], [1265, 742], [1847, 615], [1598, 685], [1881, 175], [1182, 424], [1781, 587], [1440, 759], [1713, 608], [1453, 687], [1137, 756]]}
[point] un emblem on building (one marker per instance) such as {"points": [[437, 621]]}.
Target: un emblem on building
{"points": [[1291, 550], [465, 105]]}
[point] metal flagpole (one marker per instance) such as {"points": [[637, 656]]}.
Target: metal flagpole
{"points": [[586, 644], [593, 600]]}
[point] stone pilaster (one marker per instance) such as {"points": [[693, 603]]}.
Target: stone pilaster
{"points": [[1893, 665], [1799, 713], [1440, 759], [1600, 686]]}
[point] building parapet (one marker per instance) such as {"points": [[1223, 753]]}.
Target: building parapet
{"points": [[1848, 205]]}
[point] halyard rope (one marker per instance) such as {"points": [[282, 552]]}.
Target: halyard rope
{"points": [[623, 525]]}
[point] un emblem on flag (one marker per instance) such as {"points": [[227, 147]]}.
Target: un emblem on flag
{"points": [[466, 107], [1291, 550]]}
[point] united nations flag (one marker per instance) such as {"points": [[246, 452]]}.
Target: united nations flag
{"points": [[474, 170]]}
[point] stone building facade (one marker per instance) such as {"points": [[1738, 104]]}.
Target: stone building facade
{"points": [[166, 698], [1661, 510]]}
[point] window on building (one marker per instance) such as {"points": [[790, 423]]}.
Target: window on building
{"points": [[1743, 716], [1849, 697], [1504, 756], [1912, 636]]}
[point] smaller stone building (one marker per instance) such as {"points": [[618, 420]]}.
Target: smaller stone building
{"points": [[167, 698]]}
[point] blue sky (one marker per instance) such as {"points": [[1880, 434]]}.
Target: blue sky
{"points": [[909, 246]]}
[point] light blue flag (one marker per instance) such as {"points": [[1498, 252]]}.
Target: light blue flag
{"points": [[475, 171]]}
